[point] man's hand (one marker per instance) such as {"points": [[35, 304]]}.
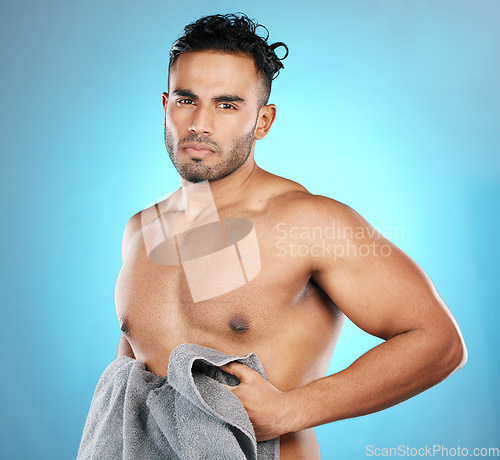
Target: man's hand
{"points": [[263, 402]]}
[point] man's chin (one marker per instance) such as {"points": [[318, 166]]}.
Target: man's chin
{"points": [[196, 174]]}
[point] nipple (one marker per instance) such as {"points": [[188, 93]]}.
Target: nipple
{"points": [[238, 324], [124, 326]]}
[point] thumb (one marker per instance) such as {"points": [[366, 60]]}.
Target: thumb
{"points": [[244, 373]]}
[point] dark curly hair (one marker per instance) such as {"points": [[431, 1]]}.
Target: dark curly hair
{"points": [[232, 33]]}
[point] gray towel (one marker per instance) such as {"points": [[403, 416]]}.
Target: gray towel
{"points": [[188, 415]]}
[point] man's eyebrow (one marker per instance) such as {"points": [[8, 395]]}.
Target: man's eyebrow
{"points": [[185, 93], [228, 98], [223, 98]]}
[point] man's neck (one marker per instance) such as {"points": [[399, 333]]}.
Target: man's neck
{"points": [[227, 191]]}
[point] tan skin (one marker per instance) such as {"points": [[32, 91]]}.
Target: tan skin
{"points": [[293, 310]]}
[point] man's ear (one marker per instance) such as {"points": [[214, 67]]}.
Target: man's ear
{"points": [[267, 115], [164, 100]]}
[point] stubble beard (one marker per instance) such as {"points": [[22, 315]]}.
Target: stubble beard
{"points": [[198, 171]]}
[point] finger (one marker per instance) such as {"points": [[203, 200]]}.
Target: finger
{"points": [[244, 373]]}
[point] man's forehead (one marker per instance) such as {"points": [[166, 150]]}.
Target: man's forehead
{"points": [[214, 69], [206, 57]]}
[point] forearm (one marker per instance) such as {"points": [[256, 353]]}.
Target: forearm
{"points": [[393, 371]]}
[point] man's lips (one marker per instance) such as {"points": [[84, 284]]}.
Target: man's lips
{"points": [[198, 150]]}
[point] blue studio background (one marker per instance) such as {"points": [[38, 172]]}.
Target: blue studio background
{"points": [[390, 106]]}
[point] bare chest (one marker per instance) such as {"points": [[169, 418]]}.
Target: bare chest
{"points": [[224, 291], [236, 295]]}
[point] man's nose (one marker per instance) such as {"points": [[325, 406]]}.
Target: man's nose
{"points": [[202, 121]]}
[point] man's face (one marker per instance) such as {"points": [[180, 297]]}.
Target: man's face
{"points": [[211, 114]]}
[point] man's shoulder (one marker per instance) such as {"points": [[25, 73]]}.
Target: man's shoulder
{"points": [[295, 204], [160, 203], [133, 222], [131, 229]]}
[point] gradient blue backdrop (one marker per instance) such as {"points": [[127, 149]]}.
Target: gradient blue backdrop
{"points": [[392, 107]]}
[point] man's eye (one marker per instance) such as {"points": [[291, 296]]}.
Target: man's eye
{"points": [[184, 101], [225, 105]]}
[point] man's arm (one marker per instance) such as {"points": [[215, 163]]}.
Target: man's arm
{"points": [[124, 348], [387, 295]]}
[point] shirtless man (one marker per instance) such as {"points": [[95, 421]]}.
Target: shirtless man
{"points": [[291, 313]]}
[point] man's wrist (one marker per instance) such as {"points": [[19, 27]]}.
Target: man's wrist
{"points": [[294, 417]]}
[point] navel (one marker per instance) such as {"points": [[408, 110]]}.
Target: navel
{"points": [[238, 324]]}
